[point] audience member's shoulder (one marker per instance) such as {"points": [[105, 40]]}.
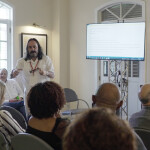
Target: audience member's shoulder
{"points": [[20, 59], [4, 115], [135, 115]]}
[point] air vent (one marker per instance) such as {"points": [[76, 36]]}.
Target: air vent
{"points": [[120, 11], [135, 68], [106, 16]]}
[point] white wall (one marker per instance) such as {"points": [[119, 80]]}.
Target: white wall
{"points": [[60, 40], [147, 73], [25, 13], [83, 73], [65, 22]]}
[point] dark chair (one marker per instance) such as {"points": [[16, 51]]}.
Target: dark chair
{"points": [[71, 96], [145, 136], [25, 141], [3, 143], [16, 115]]}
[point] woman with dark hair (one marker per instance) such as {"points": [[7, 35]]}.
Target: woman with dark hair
{"points": [[45, 100]]}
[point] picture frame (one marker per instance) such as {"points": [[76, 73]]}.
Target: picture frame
{"points": [[42, 38]]}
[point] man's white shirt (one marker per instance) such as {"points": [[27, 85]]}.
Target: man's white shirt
{"points": [[30, 78]]}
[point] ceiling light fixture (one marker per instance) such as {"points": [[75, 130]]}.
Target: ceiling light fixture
{"points": [[37, 25]]}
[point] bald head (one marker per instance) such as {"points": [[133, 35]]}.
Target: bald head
{"points": [[144, 94], [107, 95]]}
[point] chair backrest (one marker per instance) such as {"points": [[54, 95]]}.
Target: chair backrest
{"points": [[16, 115], [3, 143], [70, 95], [139, 142], [145, 136], [25, 141]]}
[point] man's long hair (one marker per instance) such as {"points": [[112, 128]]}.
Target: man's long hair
{"points": [[40, 52]]}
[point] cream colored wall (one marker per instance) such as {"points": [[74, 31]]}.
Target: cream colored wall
{"points": [[65, 22], [60, 40], [25, 13], [64, 44], [83, 73], [56, 38], [49, 13], [147, 41], [54, 15]]}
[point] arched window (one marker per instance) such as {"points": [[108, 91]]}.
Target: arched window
{"points": [[5, 36], [121, 12]]}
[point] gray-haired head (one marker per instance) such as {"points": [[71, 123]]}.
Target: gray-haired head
{"points": [[144, 94]]}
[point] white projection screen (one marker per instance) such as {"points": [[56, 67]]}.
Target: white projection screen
{"points": [[117, 41]]}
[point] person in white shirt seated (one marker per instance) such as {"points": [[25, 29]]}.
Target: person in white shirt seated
{"points": [[9, 127], [18, 79], [13, 94]]}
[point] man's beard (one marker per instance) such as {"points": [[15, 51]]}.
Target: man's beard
{"points": [[33, 54]]}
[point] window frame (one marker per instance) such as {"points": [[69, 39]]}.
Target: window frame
{"points": [[9, 24]]}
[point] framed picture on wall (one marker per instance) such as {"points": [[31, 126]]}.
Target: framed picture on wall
{"points": [[42, 38]]}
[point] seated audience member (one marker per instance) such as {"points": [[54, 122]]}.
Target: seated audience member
{"points": [[14, 94], [141, 119], [108, 96], [45, 100], [9, 127], [99, 129], [17, 78]]}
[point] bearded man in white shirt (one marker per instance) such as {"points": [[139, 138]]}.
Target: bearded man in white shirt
{"points": [[35, 66], [14, 94]]}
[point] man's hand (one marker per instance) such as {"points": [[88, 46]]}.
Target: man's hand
{"points": [[41, 72], [58, 114], [16, 72], [46, 73], [14, 100]]}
